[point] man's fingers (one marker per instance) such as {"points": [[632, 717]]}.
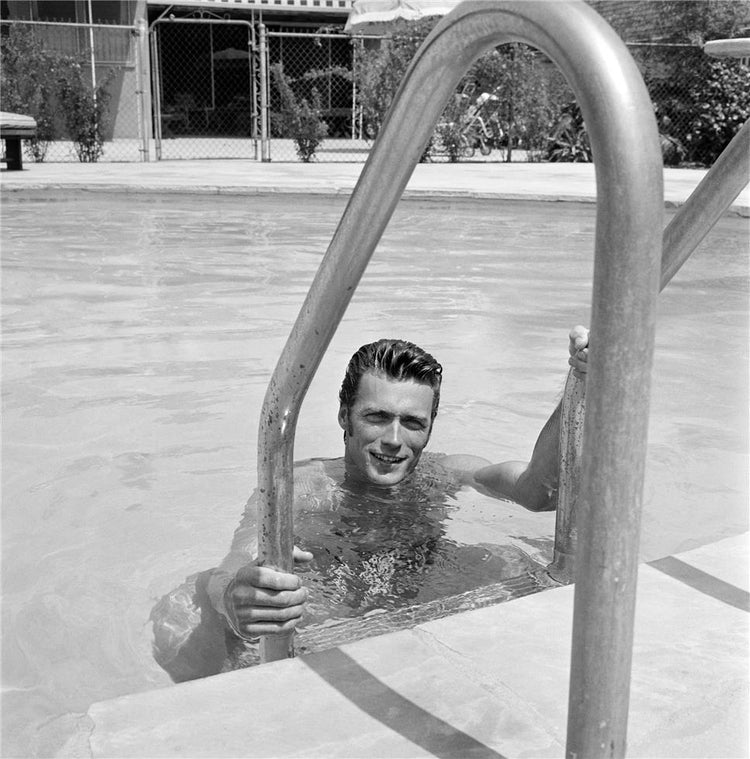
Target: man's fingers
{"points": [[301, 556], [247, 595], [265, 577], [579, 338], [266, 614], [267, 628], [580, 356]]}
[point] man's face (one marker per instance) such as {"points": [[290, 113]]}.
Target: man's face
{"points": [[386, 428]]}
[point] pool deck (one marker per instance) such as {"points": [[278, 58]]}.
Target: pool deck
{"points": [[491, 682], [528, 181]]}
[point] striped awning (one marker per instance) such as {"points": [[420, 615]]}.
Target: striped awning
{"points": [[313, 6]]}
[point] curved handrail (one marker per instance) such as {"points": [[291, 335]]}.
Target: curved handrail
{"points": [[709, 200], [625, 145], [695, 218]]}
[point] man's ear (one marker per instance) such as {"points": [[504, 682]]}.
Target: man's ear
{"points": [[343, 417]]}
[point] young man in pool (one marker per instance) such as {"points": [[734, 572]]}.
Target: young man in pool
{"points": [[388, 403]]}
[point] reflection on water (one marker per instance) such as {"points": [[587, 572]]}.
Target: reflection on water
{"points": [[386, 549], [139, 334]]}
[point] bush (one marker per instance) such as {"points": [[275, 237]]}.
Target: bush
{"points": [[378, 71], [720, 100], [530, 94], [570, 140], [85, 112], [452, 140], [300, 120], [51, 88], [28, 85]]}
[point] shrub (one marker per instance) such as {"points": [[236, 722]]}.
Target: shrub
{"points": [[452, 140], [51, 88], [300, 119], [529, 93], [28, 85], [720, 106], [378, 70], [569, 141], [84, 111]]}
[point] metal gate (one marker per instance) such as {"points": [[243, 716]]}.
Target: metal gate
{"points": [[311, 92], [227, 88], [204, 80]]}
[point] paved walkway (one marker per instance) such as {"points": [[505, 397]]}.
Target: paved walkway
{"points": [[491, 682], [553, 182]]}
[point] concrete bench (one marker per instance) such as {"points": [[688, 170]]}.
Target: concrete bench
{"points": [[13, 128]]}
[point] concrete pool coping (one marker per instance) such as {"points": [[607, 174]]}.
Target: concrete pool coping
{"points": [[557, 182], [490, 682]]}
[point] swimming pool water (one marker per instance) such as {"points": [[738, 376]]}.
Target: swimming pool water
{"points": [[139, 333]]}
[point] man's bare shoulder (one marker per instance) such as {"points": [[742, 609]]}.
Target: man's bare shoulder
{"points": [[317, 484]]}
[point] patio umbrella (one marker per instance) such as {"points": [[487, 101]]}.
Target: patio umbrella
{"points": [[374, 16], [739, 47], [231, 54]]}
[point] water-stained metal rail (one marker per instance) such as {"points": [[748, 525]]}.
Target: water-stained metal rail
{"points": [[695, 218], [627, 157]]}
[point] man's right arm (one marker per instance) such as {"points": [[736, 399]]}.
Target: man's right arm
{"points": [[531, 484]]}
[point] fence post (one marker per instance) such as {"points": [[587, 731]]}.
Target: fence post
{"points": [[265, 148], [254, 89], [92, 52], [156, 90]]}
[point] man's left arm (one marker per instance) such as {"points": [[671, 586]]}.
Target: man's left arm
{"points": [[531, 484]]}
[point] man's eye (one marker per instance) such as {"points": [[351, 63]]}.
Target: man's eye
{"points": [[376, 418], [414, 425]]}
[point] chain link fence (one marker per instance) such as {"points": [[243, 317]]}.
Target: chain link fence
{"points": [[57, 71], [700, 102], [196, 88], [312, 97], [205, 80]]}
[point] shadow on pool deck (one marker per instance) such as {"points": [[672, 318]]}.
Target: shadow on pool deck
{"points": [[490, 682], [398, 714]]}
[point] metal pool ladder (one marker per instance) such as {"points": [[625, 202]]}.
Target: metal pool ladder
{"points": [[628, 246]]}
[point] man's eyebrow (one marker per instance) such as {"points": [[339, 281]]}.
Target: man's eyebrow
{"points": [[415, 418], [374, 410], [406, 417]]}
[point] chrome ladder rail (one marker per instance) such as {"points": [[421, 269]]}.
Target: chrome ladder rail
{"points": [[627, 157], [694, 220]]}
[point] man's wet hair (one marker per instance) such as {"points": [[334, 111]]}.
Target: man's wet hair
{"points": [[396, 359]]}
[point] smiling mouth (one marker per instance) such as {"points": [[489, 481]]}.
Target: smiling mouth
{"points": [[390, 460]]}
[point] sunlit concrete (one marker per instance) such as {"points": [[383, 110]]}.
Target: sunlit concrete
{"points": [[491, 682], [539, 181]]}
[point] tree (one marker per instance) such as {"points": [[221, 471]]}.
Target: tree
{"points": [[378, 70]]}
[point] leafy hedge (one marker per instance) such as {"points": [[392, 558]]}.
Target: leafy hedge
{"points": [[699, 103], [51, 88], [720, 99]]}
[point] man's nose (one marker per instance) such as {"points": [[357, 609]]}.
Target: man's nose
{"points": [[392, 435]]}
